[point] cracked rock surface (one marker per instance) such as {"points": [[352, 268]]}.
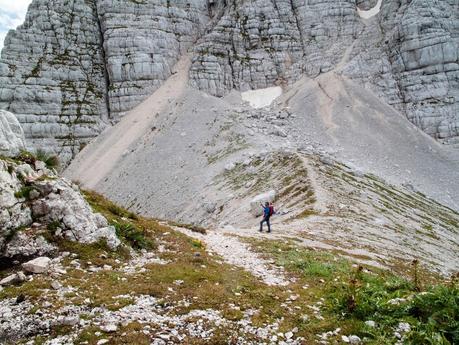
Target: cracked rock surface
{"points": [[407, 54], [35, 201]]}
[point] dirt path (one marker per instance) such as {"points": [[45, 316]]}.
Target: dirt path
{"points": [[98, 158], [238, 253]]}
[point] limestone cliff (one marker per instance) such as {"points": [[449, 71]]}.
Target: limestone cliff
{"points": [[75, 66]]}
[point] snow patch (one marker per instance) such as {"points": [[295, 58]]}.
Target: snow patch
{"points": [[371, 12], [262, 97]]}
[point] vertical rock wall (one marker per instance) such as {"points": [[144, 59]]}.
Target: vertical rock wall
{"points": [[260, 43], [422, 43], [143, 39], [52, 75]]}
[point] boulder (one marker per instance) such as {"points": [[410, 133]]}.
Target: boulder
{"points": [[11, 135], [255, 207], [25, 244], [109, 328], [56, 285], [38, 265], [10, 280]]}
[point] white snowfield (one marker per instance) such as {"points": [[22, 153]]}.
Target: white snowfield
{"points": [[262, 97], [371, 12]]}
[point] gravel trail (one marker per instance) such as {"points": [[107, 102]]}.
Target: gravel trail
{"points": [[239, 254]]}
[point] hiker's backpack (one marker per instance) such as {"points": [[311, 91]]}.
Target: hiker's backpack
{"points": [[271, 210]]}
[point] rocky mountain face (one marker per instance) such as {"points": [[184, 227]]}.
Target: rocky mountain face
{"points": [[75, 66], [408, 53], [11, 134]]}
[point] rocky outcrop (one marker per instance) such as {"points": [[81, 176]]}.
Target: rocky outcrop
{"points": [[142, 41], [11, 135], [75, 66], [35, 203], [52, 76]]}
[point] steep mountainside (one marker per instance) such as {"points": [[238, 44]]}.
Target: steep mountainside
{"points": [[75, 66]]}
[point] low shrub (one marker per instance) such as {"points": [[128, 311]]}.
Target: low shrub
{"points": [[121, 212], [24, 192], [132, 235], [51, 161]]}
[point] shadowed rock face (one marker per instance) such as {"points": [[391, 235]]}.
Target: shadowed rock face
{"points": [[75, 66]]}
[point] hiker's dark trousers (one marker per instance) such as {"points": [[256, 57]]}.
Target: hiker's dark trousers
{"points": [[265, 219]]}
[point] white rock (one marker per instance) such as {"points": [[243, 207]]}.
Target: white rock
{"points": [[353, 339], [109, 328], [397, 301], [38, 265], [9, 280], [70, 320], [370, 323], [11, 134], [403, 327], [56, 285]]}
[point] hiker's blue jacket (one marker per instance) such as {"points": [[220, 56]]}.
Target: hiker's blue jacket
{"points": [[266, 211]]}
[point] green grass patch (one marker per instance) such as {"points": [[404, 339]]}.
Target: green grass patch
{"points": [[132, 235], [354, 294], [24, 192], [51, 161]]}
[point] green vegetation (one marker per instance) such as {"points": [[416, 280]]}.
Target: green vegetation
{"points": [[353, 295], [51, 161], [137, 236], [306, 213], [132, 235], [24, 192], [191, 227], [121, 212]]}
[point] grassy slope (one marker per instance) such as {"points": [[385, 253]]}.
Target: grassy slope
{"points": [[326, 292]]}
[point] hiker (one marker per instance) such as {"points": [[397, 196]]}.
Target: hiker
{"points": [[268, 211]]}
